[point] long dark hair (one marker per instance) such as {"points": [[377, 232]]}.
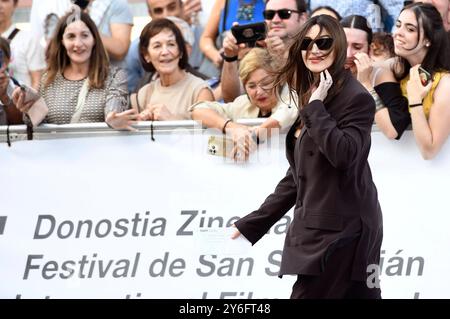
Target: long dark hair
{"points": [[358, 22], [437, 57], [298, 76], [58, 60], [328, 8]]}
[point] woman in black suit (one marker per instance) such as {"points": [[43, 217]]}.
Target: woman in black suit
{"points": [[333, 243]]}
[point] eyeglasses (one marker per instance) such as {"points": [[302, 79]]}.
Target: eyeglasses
{"points": [[282, 13], [322, 43], [266, 85]]}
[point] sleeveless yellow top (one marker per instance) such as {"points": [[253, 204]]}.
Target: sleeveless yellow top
{"points": [[428, 100]]}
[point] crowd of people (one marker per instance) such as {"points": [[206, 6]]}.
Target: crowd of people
{"points": [[322, 74], [79, 59]]}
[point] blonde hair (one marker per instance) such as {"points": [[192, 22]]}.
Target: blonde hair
{"points": [[255, 59]]}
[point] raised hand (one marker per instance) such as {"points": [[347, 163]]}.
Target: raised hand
{"points": [[321, 92], [364, 68]]}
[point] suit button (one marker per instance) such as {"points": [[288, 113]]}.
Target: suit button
{"points": [[302, 178], [310, 153]]}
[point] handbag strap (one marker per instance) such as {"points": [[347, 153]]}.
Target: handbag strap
{"points": [[12, 34], [80, 102]]}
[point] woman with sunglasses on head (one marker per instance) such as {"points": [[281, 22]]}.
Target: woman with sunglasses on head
{"points": [[333, 243]]}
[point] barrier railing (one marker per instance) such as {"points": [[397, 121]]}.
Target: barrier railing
{"points": [[122, 216], [52, 131]]}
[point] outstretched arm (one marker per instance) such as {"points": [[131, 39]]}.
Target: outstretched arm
{"points": [[256, 224], [430, 134]]}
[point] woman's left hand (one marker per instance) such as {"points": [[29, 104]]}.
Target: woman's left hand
{"points": [[122, 120], [414, 88], [321, 92]]}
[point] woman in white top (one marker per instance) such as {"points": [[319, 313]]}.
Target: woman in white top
{"points": [[259, 101], [162, 49]]}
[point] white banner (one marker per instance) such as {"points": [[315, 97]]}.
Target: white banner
{"points": [[125, 217]]}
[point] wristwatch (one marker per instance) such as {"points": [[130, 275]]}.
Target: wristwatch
{"points": [[228, 58]]}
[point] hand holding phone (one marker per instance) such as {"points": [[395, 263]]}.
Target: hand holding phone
{"points": [[425, 76], [28, 101], [21, 94], [220, 146], [31, 95], [249, 33]]}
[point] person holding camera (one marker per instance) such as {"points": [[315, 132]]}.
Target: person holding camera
{"points": [[259, 101], [283, 18], [422, 68], [223, 14], [334, 240]]}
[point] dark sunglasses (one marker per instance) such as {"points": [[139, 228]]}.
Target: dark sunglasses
{"points": [[322, 43], [282, 13]]}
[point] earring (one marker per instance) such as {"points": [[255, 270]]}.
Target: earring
{"points": [[427, 44]]}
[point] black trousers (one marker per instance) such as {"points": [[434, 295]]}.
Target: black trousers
{"points": [[334, 282]]}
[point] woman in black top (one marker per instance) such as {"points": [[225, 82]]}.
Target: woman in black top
{"points": [[333, 243]]}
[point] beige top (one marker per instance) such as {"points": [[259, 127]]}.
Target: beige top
{"points": [[285, 112], [178, 97]]}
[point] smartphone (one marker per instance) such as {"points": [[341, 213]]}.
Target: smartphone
{"points": [[425, 76], [249, 33], [220, 146], [30, 93], [39, 110]]}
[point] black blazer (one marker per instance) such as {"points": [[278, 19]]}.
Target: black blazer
{"points": [[330, 183]]}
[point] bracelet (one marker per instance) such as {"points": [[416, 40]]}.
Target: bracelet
{"points": [[228, 58], [414, 105], [378, 102], [225, 125]]}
